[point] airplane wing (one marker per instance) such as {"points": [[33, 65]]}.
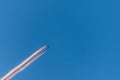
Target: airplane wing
{"points": [[25, 63]]}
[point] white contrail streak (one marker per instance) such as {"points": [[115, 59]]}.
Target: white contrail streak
{"points": [[25, 63]]}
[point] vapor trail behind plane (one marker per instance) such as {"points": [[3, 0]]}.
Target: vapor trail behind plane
{"points": [[25, 63]]}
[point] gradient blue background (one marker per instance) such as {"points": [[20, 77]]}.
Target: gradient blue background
{"points": [[83, 35]]}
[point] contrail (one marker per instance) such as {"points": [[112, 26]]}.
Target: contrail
{"points": [[25, 63]]}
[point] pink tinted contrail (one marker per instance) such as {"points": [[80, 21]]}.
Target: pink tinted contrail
{"points": [[25, 63]]}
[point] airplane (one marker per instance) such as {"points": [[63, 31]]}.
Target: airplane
{"points": [[25, 63]]}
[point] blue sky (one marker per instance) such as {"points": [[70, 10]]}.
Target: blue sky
{"points": [[83, 36]]}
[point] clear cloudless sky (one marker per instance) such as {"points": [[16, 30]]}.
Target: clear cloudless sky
{"points": [[83, 35]]}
